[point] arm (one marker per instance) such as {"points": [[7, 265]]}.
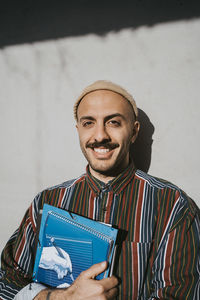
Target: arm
{"points": [[176, 267], [85, 287], [18, 255]]}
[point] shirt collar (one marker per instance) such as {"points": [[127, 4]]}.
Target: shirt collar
{"points": [[117, 184]]}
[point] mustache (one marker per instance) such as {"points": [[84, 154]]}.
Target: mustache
{"points": [[107, 145]]}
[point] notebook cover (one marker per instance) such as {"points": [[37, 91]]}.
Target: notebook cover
{"points": [[69, 244]]}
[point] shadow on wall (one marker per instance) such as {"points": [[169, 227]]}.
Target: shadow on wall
{"points": [[28, 21], [142, 148]]}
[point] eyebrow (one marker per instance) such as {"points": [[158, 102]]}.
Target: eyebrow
{"points": [[87, 118], [105, 119], [114, 115]]}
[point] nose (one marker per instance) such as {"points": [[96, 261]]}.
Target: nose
{"points": [[100, 133]]}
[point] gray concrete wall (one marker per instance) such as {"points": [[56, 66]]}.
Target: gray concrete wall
{"points": [[159, 65]]}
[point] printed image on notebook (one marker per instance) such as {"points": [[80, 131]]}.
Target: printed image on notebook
{"points": [[69, 244]]}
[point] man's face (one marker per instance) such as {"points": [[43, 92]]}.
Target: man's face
{"points": [[106, 128]]}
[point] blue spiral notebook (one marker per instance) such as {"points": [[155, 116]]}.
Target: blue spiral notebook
{"points": [[69, 244]]}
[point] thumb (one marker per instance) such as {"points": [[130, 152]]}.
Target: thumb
{"points": [[94, 270]]}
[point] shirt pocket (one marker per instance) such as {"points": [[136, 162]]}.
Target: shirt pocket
{"points": [[132, 269]]}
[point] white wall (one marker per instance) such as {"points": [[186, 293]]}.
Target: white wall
{"points": [[39, 82]]}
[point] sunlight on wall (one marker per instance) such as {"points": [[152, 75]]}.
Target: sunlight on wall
{"points": [[159, 65]]}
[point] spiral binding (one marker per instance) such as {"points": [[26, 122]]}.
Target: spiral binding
{"points": [[81, 226]]}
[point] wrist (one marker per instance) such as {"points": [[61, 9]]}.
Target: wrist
{"points": [[43, 295], [48, 295]]}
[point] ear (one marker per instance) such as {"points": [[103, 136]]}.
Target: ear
{"points": [[136, 128]]}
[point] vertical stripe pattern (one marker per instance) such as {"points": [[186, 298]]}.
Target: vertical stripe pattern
{"points": [[158, 255]]}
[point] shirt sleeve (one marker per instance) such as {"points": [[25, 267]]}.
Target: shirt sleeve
{"points": [[176, 268], [29, 291], [17, 259]]}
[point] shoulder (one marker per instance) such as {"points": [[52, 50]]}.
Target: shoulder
{"points": [[54, 192], [66, 184], [167, 191], [155, 182]]}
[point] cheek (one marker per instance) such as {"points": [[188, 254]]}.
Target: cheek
{"points": [[127, 141], [83, 138], [124, 137]]}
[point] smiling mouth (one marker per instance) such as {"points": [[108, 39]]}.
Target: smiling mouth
{"points": [[101, 150]]}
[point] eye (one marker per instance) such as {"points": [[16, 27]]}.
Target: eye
{"points": [[87, 123], [114, 123]]}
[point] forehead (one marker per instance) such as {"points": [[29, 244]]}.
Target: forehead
{"points": [[103, 102]]}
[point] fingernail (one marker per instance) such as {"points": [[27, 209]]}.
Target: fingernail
{"points": [[103, 264]]}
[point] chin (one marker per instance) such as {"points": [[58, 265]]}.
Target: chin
{"points": [[107, 170], [102, 169]]}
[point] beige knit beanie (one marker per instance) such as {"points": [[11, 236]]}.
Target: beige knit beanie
{"points": [[105, 85]]}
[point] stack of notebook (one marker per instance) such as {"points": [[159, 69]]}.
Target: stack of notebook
{"points": [[69, 244]]}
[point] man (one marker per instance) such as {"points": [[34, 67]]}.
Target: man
{"points": [[159, 254]]}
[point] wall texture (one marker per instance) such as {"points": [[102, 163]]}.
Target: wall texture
{"points": [[39, 81]]}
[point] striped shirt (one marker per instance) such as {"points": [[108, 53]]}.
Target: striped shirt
{"points": [[159, 246]]}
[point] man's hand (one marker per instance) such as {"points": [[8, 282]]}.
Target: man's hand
{"points": [[86, 287]]}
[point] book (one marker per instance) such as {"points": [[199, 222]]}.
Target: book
{"points": [[69, 244]]}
